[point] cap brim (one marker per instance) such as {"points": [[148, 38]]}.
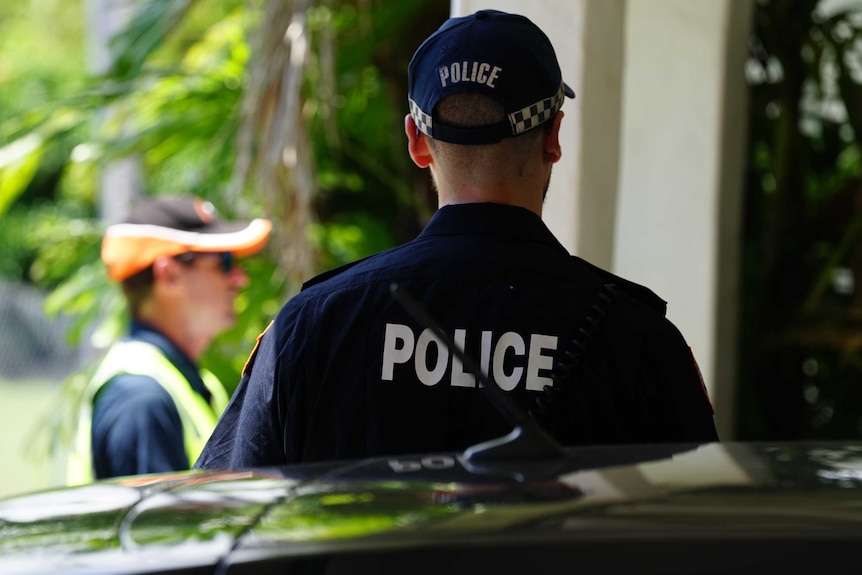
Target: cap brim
{"points": [[130, 248], [568, 91]]}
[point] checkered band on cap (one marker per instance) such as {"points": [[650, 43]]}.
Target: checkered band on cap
{"points": [[535, 114], [423, 120]]}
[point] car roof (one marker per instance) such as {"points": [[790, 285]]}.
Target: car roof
{"points": [[659, 505]]}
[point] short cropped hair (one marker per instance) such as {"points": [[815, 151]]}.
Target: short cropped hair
{"points": [[137, 289], [470, 110]]}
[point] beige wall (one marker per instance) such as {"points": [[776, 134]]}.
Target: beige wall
{"points": [[653, 149]]}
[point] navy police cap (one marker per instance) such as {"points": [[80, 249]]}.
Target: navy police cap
{"points": [[500, 55]]}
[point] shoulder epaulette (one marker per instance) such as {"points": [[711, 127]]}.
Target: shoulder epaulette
{"points": [[322, 277], [636, 291]]}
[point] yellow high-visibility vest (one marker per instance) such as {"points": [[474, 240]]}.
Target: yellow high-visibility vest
{"points": [[197, 416]]}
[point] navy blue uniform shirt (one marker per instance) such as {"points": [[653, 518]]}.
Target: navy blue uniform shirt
{"points": [[344, 372], [136, 426]]}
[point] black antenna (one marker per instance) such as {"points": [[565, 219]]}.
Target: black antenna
{"points": [[527, 440]]}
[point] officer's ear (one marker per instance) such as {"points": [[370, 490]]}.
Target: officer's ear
{"points": [[551, 144], [417, 143], [166, 270]]}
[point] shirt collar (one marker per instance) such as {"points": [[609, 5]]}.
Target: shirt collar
{"points": [[490, 219], [141, 331]]}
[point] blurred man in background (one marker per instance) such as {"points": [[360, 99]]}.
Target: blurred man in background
{"points": [[149, 407]]}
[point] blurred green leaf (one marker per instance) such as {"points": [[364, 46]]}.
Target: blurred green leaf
{"points": [[18, 163], [147, 30]]}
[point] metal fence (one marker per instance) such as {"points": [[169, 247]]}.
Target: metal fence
{"points": [[33, 346]]}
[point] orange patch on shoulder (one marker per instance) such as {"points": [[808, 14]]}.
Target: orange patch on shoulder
{"points": [[254, 350]]}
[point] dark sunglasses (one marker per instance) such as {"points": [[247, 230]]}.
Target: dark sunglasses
{"points": [[226, 259]]}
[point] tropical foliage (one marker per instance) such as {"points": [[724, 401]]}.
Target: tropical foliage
{"points": [[802, 315]]}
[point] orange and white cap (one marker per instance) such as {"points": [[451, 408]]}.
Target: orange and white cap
{"points": [[174, 225]]}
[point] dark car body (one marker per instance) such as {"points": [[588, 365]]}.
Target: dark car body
{"points": [[714, 508]]}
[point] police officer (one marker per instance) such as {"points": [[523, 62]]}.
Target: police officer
{"points": [[148, 407], [344, 372]]}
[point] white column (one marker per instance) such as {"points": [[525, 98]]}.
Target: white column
{"points": [[683, 141]]}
